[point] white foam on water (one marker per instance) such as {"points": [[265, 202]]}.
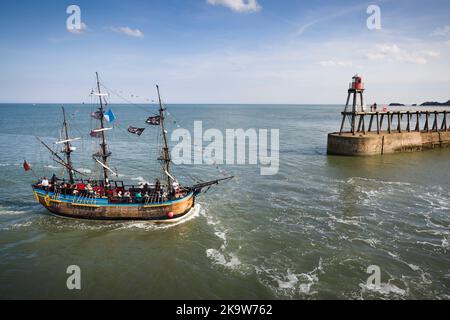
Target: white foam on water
{"points": [[371, 241], [228, 260], [140, 179], [437, 200], [221, 235], [290, 284], [429, 244], [221, 256], [152, 225], [435, 232], [11, 164], [445, 243], [5, 164], [354, 222], [18, 224], [8, 212], [393, 255], [302, 282], [291, 281], [84, 170], [384, 289], [354, 180], [49, 166], [310, 281], [413, 267]]}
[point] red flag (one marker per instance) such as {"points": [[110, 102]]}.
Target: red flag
{"points": [[26, 166], [95, 134]]}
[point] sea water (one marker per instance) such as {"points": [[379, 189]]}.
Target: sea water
{"points": [[309, 232]]}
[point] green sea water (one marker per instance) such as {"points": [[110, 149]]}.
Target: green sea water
{"points": [[308, 232]]}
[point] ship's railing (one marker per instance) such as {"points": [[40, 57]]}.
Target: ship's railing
{"points": [[85, 197], [152, 198], [395, 121]]}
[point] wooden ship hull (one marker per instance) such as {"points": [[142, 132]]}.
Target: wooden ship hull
{"points": [[100, 208]]}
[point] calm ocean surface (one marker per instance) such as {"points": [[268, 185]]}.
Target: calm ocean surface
{"points": [[309, 232]]}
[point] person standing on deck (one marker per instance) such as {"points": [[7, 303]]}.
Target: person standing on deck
{"points": [[54, 179], [176, 188], [138, 197], [45, 184], [127, 196]]}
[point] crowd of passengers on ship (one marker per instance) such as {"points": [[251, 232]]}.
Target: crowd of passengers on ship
{"points": [[144, 193]]}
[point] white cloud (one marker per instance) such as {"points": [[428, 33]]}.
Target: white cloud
{"points": [[128, 31], [444, 31], [83, 27], [332, 63], [448, 42], [237, 5], [392, 52], [432, 54]]}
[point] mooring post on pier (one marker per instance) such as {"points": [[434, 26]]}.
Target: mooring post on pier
{"points": [[435, 123], [408, 114], [444, 122], [417, 122], [427, 122], [389, 121], [378, 123], [364, 124]]}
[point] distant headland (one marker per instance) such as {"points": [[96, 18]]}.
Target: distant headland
{"points": [[434, 103], [396, 104], [428, 103]]}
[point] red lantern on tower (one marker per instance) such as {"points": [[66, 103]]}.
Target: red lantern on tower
{"points": [[357, 83]]}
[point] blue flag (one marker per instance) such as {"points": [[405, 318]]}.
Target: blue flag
{"points": [[109, 116]]}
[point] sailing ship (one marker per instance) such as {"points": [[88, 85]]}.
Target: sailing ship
{"points": [[108, 199]]}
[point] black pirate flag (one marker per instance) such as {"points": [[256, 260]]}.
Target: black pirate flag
{"points": [[135, 130], [153, 121]]}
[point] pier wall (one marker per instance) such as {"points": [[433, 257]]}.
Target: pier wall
{"points": [[377, 144]]}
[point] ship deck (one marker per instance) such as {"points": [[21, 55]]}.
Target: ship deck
{"points": [[103, 202]]}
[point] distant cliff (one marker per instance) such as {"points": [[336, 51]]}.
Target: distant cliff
{"points": [[434, 103]]}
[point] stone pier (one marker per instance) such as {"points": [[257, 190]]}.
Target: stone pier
{"points": [[377, 133]]}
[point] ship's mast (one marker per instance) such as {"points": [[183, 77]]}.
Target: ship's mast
{"points": [[165, 154], [103, 145], [67, 148]]}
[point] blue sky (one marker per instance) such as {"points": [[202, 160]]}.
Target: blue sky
{"points": [[225, 51]]}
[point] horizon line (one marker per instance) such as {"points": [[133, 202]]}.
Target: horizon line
{"points": [[172, 103]]}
